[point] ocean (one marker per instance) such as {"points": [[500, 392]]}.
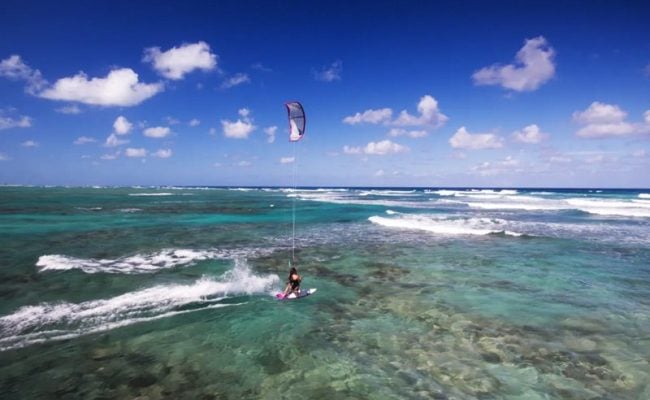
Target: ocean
{"points": [[423, 293]]}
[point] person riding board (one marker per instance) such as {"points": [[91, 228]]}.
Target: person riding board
{"points": [[293, 284]]}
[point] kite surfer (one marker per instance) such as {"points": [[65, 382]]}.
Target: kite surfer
{"points": [[293, 283]]}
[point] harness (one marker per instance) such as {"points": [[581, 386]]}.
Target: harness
{"points": [[295, 284]]}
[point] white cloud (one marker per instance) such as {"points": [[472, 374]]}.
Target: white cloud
{"points": [[605, 130], [530, 134], [488, 168], [119, 88], [596, 159], [15, 69], [162, 153], [258, 66], [608, 120], [465, 140], [113, 141], [287, 160], [600, 113], [109, 157], [135, 152], [640, 153], [533, 67], [370, 117], [384, 147], [236, 80], [172, 121], [377, 148], [84, 140], [270, 132], [122, 126], [417, 134], [244, 164], [157, 132], [395, 132], [380, 173], [178, 61], [29, 143], [560, 159], [10, 122], [241, 128], [330, 73], [238, 129], [430, 115], [352, 150], [194, 122], [71, 109], [4, 157]]}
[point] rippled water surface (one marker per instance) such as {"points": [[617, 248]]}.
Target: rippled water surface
{"points": [[422, 293]]}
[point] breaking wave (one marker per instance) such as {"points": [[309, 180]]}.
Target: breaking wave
{"points": [[151, 194], [445, 225]]}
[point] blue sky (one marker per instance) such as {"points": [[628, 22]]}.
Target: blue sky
{"points": [[396, 93]]}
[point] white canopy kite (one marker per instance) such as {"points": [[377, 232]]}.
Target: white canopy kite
{"points": [[297, 120]]}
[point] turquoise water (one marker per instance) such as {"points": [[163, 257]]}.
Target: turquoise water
{"points": [[423, 293]]}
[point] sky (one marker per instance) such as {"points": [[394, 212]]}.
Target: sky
{"points": [[397, 93]]}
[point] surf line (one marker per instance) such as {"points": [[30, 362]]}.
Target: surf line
{"points": [[297, 123]]}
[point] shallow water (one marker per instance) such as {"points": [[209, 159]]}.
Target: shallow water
{"points": [[457, 294]]}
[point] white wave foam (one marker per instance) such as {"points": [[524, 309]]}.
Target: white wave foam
{"points": [[644, 195], [484, 196], [352, 198], [151, 194], [130, 210], [445, 192], [473, 192], [89, 208], [57, 321], [148, 263], [611, 207], [543, 193], [509, 202], [598, 206], [445, 225], [528, 206], [387, 193]]}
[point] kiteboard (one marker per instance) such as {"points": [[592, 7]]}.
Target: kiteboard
{"points": [[293, 296]]}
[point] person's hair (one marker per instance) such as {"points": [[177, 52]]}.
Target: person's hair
{"points": [[292, 271]]}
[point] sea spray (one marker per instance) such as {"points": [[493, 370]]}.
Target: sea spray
{"points": [[144, 263], [63, 320]]}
